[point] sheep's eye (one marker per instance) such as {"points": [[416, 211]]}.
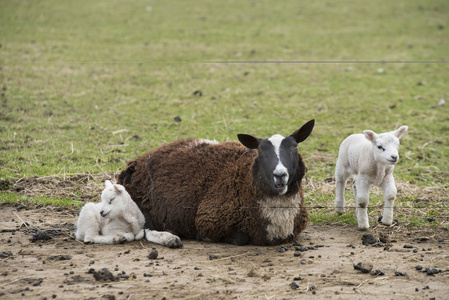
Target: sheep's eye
{"points": [[110, 201], [381, 148]]}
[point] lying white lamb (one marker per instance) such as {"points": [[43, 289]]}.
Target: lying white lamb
{"points": [[117, 219], [372, 158]]}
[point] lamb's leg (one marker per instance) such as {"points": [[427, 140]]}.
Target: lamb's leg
{"points": [[140, 235], [361, 202], [340, 183], [88, 225], [163, 238], [390, 191], [109, 239]]}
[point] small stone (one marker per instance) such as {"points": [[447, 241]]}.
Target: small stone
{"points": [[377, 273], [368, 239], [418, 267], [294, 285], [153, 254], [197, 93], [363, 267]]}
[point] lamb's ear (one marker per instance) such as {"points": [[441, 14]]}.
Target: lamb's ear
{"points": [[118, 189], [249, 141], [400, 132], [302, 133], [108, 184], [370, 135]]}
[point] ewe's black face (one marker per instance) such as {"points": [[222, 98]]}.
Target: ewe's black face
{"points": [[278, 157], [278, 160]]}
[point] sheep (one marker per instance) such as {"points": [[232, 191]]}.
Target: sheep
{"points": [[117, 219], [371, 157], [239, 193]]}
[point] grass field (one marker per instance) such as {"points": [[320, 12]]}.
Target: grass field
{"points": [[87, 86]]}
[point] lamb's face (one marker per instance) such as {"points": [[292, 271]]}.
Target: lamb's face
{"points": [[385, 149], [386, 145], [112, 203]]}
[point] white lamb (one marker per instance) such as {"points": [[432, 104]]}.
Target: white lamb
{"points": [[371, 157], [117, 219]]}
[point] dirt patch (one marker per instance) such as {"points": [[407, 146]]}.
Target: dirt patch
{"points": [[323, 262]]}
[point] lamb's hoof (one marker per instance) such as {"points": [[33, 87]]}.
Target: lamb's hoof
{"points": [[363, 227], [174, 242], [340, 210], [122, 240], [386, 223]]}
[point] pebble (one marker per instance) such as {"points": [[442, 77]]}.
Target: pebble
{"points": [[363, 267], [377, 273], [153, 254], [368, 239]]}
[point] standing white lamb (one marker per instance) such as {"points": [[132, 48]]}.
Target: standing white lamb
{"points": [[371, 157], [117, 219]]}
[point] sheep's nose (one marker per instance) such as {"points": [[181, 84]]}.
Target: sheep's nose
{"points": [[101, 213], [394, 157], [280, 177]]}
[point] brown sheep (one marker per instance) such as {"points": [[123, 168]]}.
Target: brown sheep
{"points": [[223, 192]]}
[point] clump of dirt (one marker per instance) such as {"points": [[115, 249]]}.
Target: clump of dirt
{"points": [[103, 275]]}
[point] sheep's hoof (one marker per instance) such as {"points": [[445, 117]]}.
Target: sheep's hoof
{"points": [[363, 227], [122, 240], [174, 242]]}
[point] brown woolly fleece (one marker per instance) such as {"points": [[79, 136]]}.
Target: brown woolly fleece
{"points": [[207, 191]]}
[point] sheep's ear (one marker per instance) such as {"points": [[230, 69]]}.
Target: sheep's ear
{"points": [[400, 132], [302, 133], [249, 141], [117, 189], [108, 184], [370, 135]]}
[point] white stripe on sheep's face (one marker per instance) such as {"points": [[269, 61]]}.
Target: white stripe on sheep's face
{"points": [[278, 157]]}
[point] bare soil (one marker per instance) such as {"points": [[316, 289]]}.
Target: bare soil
{"points": [[320, 264]]}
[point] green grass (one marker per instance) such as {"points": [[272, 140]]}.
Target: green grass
{"points": [[13, 198], [87, 86]]}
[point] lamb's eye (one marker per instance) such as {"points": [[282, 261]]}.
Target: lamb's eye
{"points": [[381, 148], [110, 201]]}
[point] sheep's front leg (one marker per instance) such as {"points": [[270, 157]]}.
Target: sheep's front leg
{"points": [[390, 191], [362, 199], [340, 184], [163, 238]]}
